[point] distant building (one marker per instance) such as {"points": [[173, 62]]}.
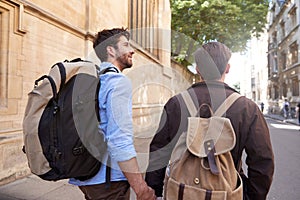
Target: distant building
{"points": [[252, 69], [283, 53], [254, 77]]}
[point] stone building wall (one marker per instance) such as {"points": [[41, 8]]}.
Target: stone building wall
{"points": [[35, 34], [283, 54]]}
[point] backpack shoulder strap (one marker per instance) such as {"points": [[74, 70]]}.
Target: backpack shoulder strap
{"points": [[219, 112], [109, 69], [226, 104], [189, 103]]}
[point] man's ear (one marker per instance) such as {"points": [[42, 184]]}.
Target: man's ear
{"points": [[111, 51], [227, 68]]}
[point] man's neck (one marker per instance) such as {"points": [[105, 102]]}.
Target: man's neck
{"points": [[115, 63]]}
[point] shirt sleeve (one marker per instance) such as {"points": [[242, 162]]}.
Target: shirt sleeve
{"points": [[162, 144], [260, 158], [119, 130], [157, 164]]}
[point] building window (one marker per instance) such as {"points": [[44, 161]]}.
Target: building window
{"points": [[143, 19], [272, 11], [274, 39], [274, 62], [11, 33], [284, 89], [283, 60], [253, 83], [295, 87], [252, 71], [272, 65], [282, 26], [294, 53], [4, 25], [276, 92], [293, 17]]}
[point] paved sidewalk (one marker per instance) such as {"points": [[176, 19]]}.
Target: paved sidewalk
{"points": [[34, 188], [281, 118]]}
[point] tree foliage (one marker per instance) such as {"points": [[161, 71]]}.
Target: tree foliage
{"points": [[232, 22], [237, 87]]}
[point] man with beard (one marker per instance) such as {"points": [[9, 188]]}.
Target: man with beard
{"points": [[120, 170]]}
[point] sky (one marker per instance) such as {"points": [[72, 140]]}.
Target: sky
{"points": [[235, 74]]}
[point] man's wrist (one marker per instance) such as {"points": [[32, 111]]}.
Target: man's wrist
{"points": [[139, 187]]}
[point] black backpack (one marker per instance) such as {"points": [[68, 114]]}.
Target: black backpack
{"points": [[61, 135]]}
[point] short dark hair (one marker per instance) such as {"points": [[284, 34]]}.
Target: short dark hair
{"points": [[108, 37], [211, 60]]}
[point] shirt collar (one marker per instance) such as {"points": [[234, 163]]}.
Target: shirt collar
{"points": [[105, 65], [213, 84]]}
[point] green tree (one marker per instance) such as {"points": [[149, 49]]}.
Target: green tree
{"points": [[232, 22], [237, 86]]}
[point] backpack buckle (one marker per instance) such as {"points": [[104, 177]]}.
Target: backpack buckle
{"points": [[209, 146], [210, 152]]}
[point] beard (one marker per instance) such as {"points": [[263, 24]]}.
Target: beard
{"points": [[125, 61]]}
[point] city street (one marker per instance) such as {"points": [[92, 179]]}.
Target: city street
{"points": [[285, 139]]}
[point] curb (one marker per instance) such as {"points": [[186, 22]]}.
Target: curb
{"points": [[289, 121]]}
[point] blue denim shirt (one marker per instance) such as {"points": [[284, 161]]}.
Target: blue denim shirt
{"points": [[115, 103]]}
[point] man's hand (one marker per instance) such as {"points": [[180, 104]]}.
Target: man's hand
{"points": [[145, 193], [131, 171]]}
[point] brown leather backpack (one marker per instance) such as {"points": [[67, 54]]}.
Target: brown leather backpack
{"points": [[201, 165]]}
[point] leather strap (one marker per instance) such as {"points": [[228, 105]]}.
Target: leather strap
{"points": [[210, 151], [180, 191], [208, 195]]}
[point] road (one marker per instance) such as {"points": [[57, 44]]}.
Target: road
{"points": [[286, 145]]}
